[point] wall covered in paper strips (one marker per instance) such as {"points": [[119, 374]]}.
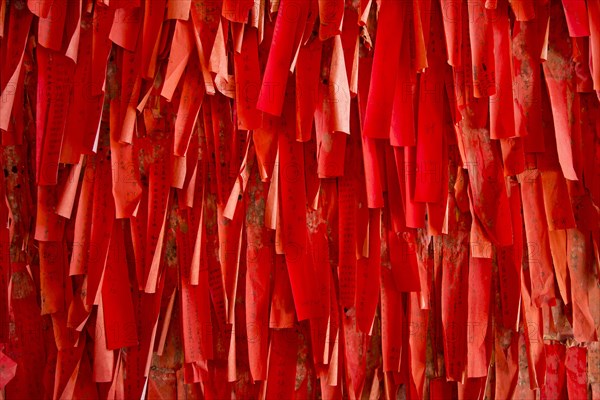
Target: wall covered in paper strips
{"points": [[299, 199]]}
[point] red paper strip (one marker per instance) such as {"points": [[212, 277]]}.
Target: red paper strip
{"points": [[19, 23], [286, 38], [121, 329], [390, 28], [538, 248], [392, 317], [478, 320], [282, 364], [527, 81], [575, 363], [576, 13], [482, 55], [125, 27], [502, 121], [183, 42], [192, 97], [151, 29], [583, 323], [103, 212], [54, 91], [247, 72]]}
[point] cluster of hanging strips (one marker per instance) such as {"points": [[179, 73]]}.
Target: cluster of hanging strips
{"points": [[299, 199]]}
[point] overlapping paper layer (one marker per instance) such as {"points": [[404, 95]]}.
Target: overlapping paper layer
{"points": [[214, 199]]}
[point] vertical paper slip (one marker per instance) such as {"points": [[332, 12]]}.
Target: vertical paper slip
{"points": [[154, 12], [120, 324], [192, 97], [390, 30], [56, 92], [286, 38], [402, 129], [260, 261], [368, 276], [158, 202], [455, 303], [125, 27], [181, 52], [282, 366], [392, 322], [103, 216], [347, 238], [19, 23], [247, 87]]}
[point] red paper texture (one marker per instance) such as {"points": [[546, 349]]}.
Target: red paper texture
{"points": [[300, 199]]}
